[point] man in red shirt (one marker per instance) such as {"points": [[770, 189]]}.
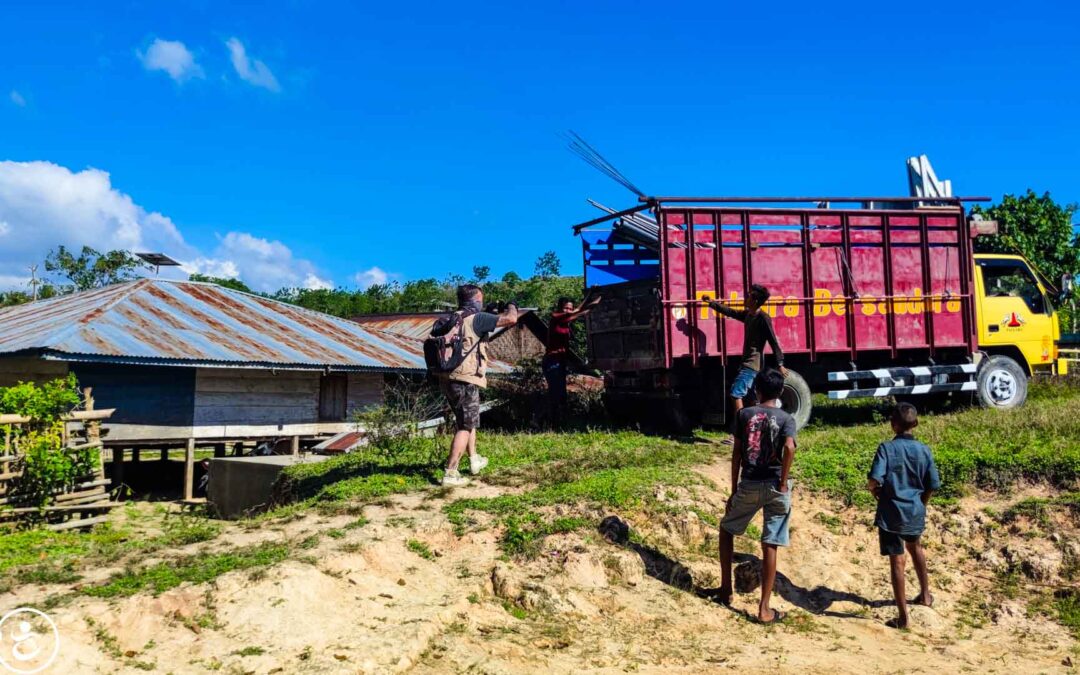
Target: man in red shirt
{"points": [[557, 356]]}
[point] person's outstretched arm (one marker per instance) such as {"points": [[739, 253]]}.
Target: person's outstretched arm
{"points": [[726, 310], [509, 317]]}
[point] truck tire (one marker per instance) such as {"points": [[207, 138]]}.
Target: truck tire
{"points": [[796, 399], [1001, 383]]}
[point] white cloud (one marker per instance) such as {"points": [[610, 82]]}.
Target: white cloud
{"points": [[263, 264], [17, 98], [374, 276], [172, 57], [43, 205], [251, 70]]}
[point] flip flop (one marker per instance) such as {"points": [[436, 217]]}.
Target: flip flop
{"points": [[919, 600], [895, 623], [777, 617]]}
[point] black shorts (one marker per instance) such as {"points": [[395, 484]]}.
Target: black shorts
{"points": [[892, 543], [464, 400]]}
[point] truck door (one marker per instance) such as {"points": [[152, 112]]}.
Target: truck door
{"points": [[1013, 309]]}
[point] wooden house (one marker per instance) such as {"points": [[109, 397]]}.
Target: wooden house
{"points": [[184, 361]]}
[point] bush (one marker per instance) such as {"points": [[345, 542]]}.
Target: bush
{"points": [[47, 468]]}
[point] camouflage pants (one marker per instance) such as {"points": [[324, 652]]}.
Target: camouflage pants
{"points": [[464, 400]]}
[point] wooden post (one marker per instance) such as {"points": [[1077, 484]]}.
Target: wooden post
{"points": [[295, 445], [135, 456], [219, 450], [117, 467], [164, 454], [189, 469]]}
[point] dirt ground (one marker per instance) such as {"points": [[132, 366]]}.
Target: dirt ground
{"points": [[361, 600]]}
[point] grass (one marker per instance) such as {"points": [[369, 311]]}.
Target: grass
{"points": [[195, 569], [421, 549], [1038, 509], [972, 446]]}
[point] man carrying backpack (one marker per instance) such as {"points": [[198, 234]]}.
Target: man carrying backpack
{"points": [[457, 354]]}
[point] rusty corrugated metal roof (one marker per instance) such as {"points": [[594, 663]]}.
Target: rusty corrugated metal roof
{"points": [[414, 325], [156, 321]]}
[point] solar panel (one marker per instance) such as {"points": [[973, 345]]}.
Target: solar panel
{"points": [[157, 259]]}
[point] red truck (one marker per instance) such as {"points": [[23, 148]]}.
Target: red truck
{"points": [[870, 297]]}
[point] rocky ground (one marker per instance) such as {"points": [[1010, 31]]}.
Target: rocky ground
{"points": [[398, 590]]}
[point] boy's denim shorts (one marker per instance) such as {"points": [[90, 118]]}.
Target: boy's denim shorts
{"points": [[743, 383], [892, 543], [760, 495]]}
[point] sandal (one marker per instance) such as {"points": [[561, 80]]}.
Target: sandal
{"points": [[777, 617]]}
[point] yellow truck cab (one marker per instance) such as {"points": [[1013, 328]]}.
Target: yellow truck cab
{"points": [[1016, 321]]}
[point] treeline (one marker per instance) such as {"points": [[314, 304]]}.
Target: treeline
{"points": [[91, 269]]}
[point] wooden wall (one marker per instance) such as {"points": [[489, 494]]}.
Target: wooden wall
{"points": [[167, 403], [29, 369]]}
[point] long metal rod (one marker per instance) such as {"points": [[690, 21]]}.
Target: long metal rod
{"points": [[610, 216], [738, 200]]}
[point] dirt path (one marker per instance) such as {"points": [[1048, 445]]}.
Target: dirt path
{"points": [[404, 593]]}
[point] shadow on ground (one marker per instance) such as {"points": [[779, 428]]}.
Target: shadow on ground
{"points": [[659, 566]]}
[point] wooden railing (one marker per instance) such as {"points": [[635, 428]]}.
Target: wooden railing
{"points": [[86, 503]]}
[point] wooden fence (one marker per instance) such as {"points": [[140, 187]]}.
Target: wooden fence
{"points": [[87, 502]]}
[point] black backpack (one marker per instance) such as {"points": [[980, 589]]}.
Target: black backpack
{"points": [[444, 348]]}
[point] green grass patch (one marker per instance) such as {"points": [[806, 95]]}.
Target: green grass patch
{"points": [[421, 549], [195, 569], [1038, 509], [972, 446]]}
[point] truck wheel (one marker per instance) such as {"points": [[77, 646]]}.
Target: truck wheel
{"points": [[796, 398], [1001, 383]]}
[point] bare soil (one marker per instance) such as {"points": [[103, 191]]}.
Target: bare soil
{"points": [[362, 600]]}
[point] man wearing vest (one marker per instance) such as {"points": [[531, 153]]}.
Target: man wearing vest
{"points": [[462, 386]]}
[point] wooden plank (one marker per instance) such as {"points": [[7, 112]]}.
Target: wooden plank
{"points": [[251, 386], [70, 496], [189, 469], [84, 446], [96, 506], [259, 399], [8, 418], [76, 524], [87, 415], [10, 474]]}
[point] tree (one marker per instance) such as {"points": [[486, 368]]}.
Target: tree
{"points": [[1038, 228], [548, 265], [91, 269], [480, 273], [224, 282]]}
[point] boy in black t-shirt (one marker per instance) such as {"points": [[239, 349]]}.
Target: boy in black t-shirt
{"points": [[760, 463]]}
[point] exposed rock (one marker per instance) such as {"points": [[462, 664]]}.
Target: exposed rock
{"points": [[585, 571], [1040, 565], [625, 567], [503, 583]]}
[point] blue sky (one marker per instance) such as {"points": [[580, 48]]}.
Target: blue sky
{"points": [[315, 142]]}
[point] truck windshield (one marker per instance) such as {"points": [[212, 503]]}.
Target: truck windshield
{"points": [[1012, 278]]}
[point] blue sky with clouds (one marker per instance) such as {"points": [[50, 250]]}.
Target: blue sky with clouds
{"points": [[331, 143]]}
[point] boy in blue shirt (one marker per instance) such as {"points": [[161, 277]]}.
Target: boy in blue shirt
{"points": [[902, 479]]}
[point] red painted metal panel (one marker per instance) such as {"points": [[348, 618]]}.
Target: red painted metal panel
{"points": [[868, 281]]}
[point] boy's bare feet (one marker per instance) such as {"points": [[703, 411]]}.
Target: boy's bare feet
{"points": [[924, 599], [897, 623]]}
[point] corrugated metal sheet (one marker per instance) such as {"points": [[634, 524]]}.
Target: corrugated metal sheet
{"points": [[417, 325], [191, 323]]}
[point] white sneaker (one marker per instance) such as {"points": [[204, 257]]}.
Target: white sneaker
{"points": [[454, 479], [477, 464]]}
